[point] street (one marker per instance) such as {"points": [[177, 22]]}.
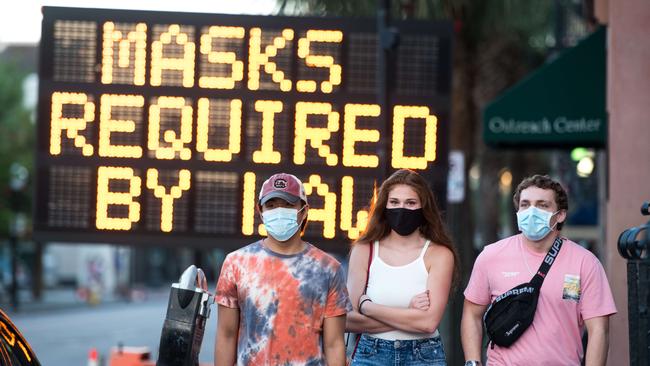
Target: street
{"points": [[65, 337]]}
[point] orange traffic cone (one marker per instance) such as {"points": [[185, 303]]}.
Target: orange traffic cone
{"points": [[93, 359]]}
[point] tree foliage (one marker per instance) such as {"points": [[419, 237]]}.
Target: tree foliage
{"points": [[529, 23], [17, 138]]}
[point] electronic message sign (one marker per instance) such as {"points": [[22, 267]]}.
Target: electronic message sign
{"points": [[159, 128]]}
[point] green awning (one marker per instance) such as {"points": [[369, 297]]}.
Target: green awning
{"points": [[560, 104]]}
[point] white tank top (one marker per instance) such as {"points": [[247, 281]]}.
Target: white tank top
{"points": [[395, 286]]}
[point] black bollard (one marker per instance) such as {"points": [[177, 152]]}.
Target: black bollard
{"points": [[634, 245]]}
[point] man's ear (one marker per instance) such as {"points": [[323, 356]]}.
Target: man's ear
{"points": [[303, 219], [561, 217], [258, 210]]}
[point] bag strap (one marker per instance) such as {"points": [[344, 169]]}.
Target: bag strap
{"points": [[365, 287], [549, 259]]}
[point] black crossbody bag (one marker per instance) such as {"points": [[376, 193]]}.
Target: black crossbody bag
{"points": [[511, 313]]}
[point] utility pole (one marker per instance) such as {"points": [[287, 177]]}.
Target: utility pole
{"points": [[387, 41]]}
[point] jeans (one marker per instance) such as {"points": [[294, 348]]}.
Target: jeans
{"points": [[375, 352]]}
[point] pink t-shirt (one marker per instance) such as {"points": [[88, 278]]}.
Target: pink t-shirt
{"points": [[575, 289]]}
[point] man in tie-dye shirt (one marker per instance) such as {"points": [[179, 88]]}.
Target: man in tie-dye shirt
{"points": [[282, 301]]}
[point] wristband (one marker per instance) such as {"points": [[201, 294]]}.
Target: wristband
{"points": [[361, 304]]}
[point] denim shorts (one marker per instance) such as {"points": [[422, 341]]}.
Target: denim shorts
{"points": [[375, 352]]}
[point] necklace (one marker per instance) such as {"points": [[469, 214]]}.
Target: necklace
{"points": [[523, 257]]}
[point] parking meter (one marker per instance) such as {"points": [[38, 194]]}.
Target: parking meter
{"points": [[187, 311]]}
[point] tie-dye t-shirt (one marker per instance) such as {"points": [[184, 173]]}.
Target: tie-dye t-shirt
{"points": [[282, 302]]}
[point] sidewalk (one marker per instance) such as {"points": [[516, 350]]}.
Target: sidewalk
{"points": [[65, 298]]}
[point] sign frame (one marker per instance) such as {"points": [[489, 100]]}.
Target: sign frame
{"points": [[438, 99]]}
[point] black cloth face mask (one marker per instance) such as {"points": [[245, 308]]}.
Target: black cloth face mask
{"points": [[404, 221]]}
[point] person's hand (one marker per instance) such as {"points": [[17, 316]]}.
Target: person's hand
{"points": [[420, 301]]}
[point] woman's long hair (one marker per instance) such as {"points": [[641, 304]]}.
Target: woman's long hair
{"points": [[432, 228]]}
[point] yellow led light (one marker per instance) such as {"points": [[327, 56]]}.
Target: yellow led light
{"points": [[248, 207], [222, 57], [400, 114], [287, 34], [266, 154], [306, 86], [106, 198], [285, 85], [136, 39], [261, 230], [347, 199], [278, 43], [316, 135], [326, 87], [72, 126], [324, 61], [107, 125], [303, 47], [278, 76], [202, 131], [270, 68], [178, 145], [351, 135], [167, 197], [327, 214], [257, 58], [248, 204], [184, 64]]}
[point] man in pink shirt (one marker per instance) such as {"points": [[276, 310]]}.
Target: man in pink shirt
{"points": [[574, 295]]}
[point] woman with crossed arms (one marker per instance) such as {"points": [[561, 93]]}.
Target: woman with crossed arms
{"points": [[413, 266]]}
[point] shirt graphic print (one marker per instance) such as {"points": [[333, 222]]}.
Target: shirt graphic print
{"points": [[571, 288], [282, 301]]}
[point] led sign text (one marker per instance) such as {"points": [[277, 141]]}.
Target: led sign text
{"points": [[176, 114]]}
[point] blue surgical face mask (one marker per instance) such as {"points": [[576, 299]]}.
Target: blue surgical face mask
{"points": [[534, 223], [281, 223]]}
